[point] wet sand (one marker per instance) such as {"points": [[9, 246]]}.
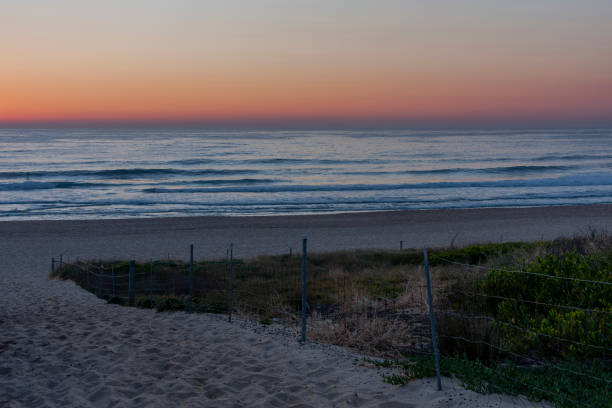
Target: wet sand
{"points": [[160, 237]]}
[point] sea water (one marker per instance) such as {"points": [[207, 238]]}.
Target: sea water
{"points": [[91, 173]]}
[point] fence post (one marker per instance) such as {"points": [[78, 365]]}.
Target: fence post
{"points": [[230, 307], [191, 278], [304, 245], [151, 286], [401, 245], [113, 275], [61, 263], [131, 284], [100, 277], [434, 339], [52, 264]]}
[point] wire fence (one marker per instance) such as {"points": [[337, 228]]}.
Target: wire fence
{"points": [[519, 329], [515, 321]]}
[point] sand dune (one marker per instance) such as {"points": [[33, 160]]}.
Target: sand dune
{"points": [[62, 346]]}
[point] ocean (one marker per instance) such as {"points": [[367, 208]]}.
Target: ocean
{"points": [[119, 173]]}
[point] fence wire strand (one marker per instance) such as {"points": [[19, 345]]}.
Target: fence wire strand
{"points": [[514, 326], [485, 268], [534, 302]]}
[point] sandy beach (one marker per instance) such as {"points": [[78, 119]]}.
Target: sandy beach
{"points": [[62, 346], [252, 236]]}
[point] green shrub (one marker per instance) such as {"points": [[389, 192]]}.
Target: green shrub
{"points": [[543, 324], [167, 304], [117, 300], [207, 308], [145, 303], [266, 321]]}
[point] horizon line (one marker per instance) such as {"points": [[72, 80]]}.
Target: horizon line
{"points": [[322, 123]]}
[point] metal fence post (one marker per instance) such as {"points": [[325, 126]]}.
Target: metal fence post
{"points": [[434, 339], [113, 276], [304, 259], [131, 284], [191, 278], [100, 277], [230, 306], [151, 286], [52, 264]]}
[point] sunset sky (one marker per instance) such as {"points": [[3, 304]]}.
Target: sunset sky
{"points": [[403, 62]]}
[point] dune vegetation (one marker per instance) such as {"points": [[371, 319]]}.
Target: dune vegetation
{"points": [[533, 319]]}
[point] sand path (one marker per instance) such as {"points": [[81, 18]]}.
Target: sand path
{"points": [[61, 346]]}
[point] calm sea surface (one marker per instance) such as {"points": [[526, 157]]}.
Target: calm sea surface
{"points": [[117, 173]]}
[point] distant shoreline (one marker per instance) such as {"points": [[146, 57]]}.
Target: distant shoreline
{"points": [[311, 214], [319, 214], [257, 235]]}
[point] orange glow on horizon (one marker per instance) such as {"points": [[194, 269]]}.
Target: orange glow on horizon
{"points": [[190, 99]]}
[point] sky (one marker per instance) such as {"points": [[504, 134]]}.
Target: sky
{"points": [[311, 62]]}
